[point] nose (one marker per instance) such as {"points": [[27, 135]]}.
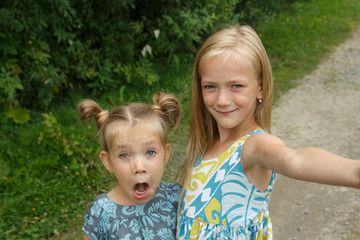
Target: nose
{"points": [[223, 98], [138, 165]]}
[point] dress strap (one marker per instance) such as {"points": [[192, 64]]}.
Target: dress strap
{"points": [[257, 131]]}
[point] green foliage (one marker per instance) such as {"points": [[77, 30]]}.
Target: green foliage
{"points": [[48, 48], [47, 176], [19, 115], [314, 29]]}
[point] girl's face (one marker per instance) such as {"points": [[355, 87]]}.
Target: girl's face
{"points": [[230, 91], [137, 159]]}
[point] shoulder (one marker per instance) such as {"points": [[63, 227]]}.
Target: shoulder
{"points": [[94, 219], [99, 201], [169, 186], [171, 191], [260, 145], [100, 205], [262, 139]]}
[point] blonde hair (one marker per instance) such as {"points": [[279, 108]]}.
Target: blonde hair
{"points": [[234, 41], [165, 110]]}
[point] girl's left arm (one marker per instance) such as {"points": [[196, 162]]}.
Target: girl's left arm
{"points": [[309, 164]]}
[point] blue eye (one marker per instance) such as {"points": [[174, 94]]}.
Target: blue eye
{"points": [[150, 153], [208, 86], [124, 155], [237, 86]]}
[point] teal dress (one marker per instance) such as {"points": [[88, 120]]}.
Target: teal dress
{"points": [[220, 202], [155, 219]]}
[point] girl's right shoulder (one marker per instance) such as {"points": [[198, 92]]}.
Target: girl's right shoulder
{"points": [[262, 137], [259, 147], [100, 204]]}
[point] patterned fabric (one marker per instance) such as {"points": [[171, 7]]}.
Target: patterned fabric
{"points": [[221, 203], [155, 219]]}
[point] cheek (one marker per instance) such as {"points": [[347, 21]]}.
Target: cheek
{"points": [[122, 168], [208, 99], [122, 178], [243, 99], [158, 170]]}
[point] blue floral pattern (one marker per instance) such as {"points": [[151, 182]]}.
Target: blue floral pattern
{"points": [[155, 219]]}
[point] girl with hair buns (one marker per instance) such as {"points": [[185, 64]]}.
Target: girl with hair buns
{"points": [[232, 159], [135, 149]]}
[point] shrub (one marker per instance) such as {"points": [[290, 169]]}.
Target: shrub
{"points": [[51, 47]]}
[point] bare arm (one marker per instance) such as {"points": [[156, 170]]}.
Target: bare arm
{"points": [[85, 237], [310, 164]]}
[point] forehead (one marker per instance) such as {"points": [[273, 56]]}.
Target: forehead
{"points": [[126, 131], [226, 55], [226, 66]]}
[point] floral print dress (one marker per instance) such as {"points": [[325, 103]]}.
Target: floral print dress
{"points": [[155, 219], [221, 203]]}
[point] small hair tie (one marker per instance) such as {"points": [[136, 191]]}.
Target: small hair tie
{"points": [[156, 107], [104, 113], [101, 118]]}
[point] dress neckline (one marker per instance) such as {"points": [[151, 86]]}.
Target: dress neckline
{"points": [[258, 130]]}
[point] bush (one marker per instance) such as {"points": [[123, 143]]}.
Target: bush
{"points": [[51, 47]]}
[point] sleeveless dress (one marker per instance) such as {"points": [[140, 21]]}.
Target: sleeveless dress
{"points": [[221, 203], [155, 219]]}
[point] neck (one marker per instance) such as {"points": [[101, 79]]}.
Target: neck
{"points": [[226, 138], [233, 134]]}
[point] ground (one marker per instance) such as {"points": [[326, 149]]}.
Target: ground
{"points": [[323, 111]]}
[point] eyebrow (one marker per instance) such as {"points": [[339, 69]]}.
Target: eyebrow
{"points": [[232, 81], [123, 146]]}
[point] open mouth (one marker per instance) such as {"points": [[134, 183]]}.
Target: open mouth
{"points": [[141, 190]]}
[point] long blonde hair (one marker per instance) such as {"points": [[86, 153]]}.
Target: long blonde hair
{"points": [[166, 111], [232, 41]]}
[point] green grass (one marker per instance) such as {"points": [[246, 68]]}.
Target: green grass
{"points": [[49, 167], [298, 40]]}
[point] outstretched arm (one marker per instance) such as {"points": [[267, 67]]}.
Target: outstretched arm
{"points": [[310, 164]]}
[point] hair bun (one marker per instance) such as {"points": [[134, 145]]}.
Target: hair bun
{"points": [[169, 106], [89, 109], [101, 118]]}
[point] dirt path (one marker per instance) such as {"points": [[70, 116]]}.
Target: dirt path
{"points": [[323, 111]]}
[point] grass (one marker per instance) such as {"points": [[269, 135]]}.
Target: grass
{"points": [[298, 40], [49, 167]]}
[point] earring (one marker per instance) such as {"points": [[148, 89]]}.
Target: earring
{"points": [[260, 101]]}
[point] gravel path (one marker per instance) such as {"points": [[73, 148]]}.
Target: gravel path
{"points": [[323, 111]]}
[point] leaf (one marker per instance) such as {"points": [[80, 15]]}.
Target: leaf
{"points": [[19, 115]]}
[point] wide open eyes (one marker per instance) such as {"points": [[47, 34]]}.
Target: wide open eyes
{"points": [[124, 155], [150, 153]]}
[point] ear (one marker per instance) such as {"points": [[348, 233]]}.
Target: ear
{"points": [[167, 153], [259, 94], [105, 159]]}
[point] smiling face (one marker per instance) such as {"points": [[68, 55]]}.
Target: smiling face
{"points": [[230, 91], [137, 158]]}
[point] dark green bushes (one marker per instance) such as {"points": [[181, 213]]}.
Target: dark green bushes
{"points": [[51, 47]]}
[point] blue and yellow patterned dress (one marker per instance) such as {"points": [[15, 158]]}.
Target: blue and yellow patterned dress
{"points": [[221, 203]]}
